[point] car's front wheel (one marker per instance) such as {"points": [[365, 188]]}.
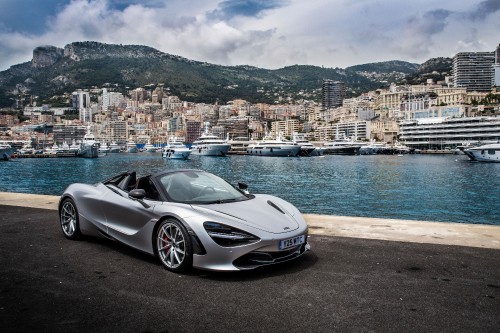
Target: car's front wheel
{"points": [[173, 246], [68, 217]]}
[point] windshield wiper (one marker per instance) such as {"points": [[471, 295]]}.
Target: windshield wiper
{"points": [[220, 201]]}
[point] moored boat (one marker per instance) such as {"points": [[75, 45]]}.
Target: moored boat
{"points": [[306, 148], [274, 147], [114, 147], [210, 145], [131, 146], [342, 147], [149, 147], [89, 147], [6, 151], [484, 153], [176, 150]]}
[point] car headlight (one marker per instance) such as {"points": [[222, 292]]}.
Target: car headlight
{"points": [[228, 236]]}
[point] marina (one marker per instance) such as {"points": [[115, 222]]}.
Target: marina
{"points": [[439, 188]]}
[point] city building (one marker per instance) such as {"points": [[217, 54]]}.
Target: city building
{"points": [[448, 133], [473, 70], [333, 93], [81, 102]]}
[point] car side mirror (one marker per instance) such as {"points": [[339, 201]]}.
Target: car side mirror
{"points": [[137, 194], [243, 187]]}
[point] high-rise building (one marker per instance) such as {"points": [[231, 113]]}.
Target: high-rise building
{"points": [[193, 131], [81, 102], [334, 93], [473, 70], [496, 67]]}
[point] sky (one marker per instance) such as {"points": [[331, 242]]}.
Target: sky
{"points": [[263, 33]]}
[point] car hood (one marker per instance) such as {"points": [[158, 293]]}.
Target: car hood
{"points": [[263, 212]]}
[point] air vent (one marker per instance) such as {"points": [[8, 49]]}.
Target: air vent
{"points": [[272, 204]]}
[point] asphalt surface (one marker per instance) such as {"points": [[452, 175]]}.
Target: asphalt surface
{"points": [[49, 283]]}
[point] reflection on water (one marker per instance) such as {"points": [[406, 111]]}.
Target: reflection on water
{"points": [[418, 187]]}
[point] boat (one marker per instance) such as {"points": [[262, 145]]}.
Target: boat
{"points": [[51, 150], [306, 148], [484, 153], [378, 148], [89, 148], [175, 150], [27, 149], [74, 147], [238, 145], [131, 146], [210, 145], [149, 147], [64, 148], [104, 149], [342, 147], [274, 147], [6, 151], [114, 147]]}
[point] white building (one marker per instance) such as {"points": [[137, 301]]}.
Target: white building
{"points": [[81, 101]]}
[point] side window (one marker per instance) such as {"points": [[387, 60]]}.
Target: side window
{"points": [[147, 185]]}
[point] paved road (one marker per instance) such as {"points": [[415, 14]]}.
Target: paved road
{"points": [[48, 283]]}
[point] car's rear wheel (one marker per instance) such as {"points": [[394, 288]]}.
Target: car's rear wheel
{"points": [[68, 216], [173, 246]]}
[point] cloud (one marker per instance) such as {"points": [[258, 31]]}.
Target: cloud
{"points": [[269, 34], [250, 8], [484, 9]]}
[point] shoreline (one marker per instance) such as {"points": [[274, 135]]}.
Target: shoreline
{"points": [[427, 232]]}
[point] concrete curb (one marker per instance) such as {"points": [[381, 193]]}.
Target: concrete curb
{"points": [[460, 234]]}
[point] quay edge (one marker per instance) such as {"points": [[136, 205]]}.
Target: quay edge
{"points": [[444, 233]]}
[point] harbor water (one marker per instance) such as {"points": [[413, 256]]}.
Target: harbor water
{"points": [[445, 188]]}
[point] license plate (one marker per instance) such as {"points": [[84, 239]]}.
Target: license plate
{"points": [[291, 242]]}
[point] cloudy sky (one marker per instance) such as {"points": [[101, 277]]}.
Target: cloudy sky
{"points": [[263, 33]]}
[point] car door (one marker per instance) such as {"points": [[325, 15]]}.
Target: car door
{"points": [[126, 217]]}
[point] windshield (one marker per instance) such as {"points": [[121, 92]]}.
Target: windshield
{"points": [[199, 187]]}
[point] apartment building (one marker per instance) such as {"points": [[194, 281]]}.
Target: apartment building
{"points": [[333, 93], [473, 71]]}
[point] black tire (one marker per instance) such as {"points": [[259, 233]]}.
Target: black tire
{"points": [[173, 246], [69, 221]]}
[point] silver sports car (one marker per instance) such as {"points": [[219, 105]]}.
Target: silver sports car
{"points": [[187, 218]]}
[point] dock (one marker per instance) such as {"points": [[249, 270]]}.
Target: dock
{"points": [[444, 233]]}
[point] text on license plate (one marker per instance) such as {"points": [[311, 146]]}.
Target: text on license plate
{"points": [[291, 242]]}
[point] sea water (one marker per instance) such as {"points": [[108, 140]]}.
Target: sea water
{"points": [[447, 188]]}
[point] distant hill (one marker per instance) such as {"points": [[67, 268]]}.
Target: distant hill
{"points": [[55, 71], [435, 69]]}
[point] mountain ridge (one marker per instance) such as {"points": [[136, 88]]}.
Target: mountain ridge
{"points": [[54, 71]]}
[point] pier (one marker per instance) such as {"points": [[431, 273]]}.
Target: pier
{"points": [[362, 275]]}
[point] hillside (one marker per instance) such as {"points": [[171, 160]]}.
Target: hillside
{"points": [[54, 71]]}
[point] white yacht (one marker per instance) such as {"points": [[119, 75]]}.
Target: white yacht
{"points": [[27, 149], [273, 147], [114, 147], [149, 147], [176, 150], [306, 148], [342, 147], [89, 147], [6, 151], [51, 150], [131, 146], [104, 148], [210, 145], [74, 147], [238, 145], [64, 148], [485, 153]]}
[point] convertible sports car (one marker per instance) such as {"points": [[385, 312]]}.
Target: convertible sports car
{"points": [[186, 218]]}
